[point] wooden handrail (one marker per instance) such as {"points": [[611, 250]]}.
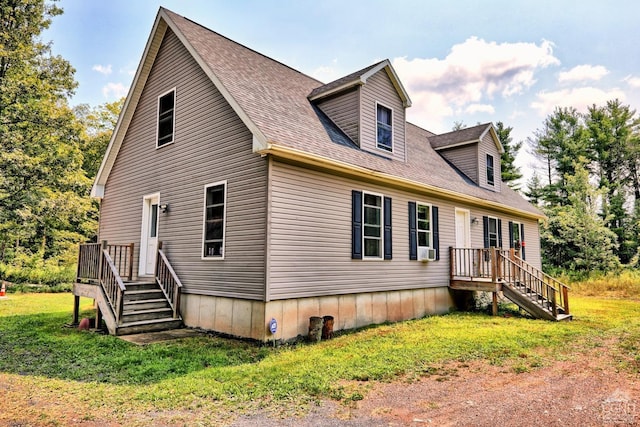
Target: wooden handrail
{"points": [[168, 280], [560, 288], [112, 285]]}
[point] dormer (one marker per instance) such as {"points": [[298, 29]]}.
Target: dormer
{"points": [[475, 152], [369, 107]]}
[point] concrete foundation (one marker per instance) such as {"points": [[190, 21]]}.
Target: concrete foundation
{"points": [[250, 319]]}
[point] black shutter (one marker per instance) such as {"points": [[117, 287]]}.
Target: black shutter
{"points": [[387, 228], [500, 233], [522, 241], [413, 232], [436, 233], [485, 227], [356, 221], [511, 242]]}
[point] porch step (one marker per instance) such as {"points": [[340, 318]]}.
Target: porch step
{"points": [[145, 304], [146, 309], [143, 294], [150, 314], [138, 286], [154, 325]]}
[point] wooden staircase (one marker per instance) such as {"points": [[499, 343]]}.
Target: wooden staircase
{"points": [[494, 270], [129, 307], [146, 309]]}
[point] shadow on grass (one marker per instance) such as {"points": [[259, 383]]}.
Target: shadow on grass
{"points": [[39, 344]]}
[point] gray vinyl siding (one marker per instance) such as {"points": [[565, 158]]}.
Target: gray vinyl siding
{"points": [[211, 145], [310, 238], [465, 158], [380, 89], [310, 250], [488, 146], [344, 110]]}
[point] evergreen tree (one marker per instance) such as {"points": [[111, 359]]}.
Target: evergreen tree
{"points": [[510, 172], [575, 236]]}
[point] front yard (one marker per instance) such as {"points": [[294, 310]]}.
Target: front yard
{"points": [[55, 375]]}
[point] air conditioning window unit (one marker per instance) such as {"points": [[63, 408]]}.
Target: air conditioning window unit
{"points": [[426, 254]]}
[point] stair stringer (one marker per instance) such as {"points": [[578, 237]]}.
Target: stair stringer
{"points": [[524, 302]]}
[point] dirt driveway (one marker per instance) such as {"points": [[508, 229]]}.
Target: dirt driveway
{"points": [[584, 389]]}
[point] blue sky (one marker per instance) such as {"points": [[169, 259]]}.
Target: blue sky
{"points": [[510, 61]]}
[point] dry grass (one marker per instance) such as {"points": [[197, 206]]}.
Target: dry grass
{"points": [[624, 285]]}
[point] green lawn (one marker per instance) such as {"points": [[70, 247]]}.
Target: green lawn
{"points": [[205, 371]]}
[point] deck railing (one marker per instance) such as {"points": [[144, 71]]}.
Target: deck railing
{"points": [[515, 270], [168, 280], [89, 260], [498, 265], [471, 263]]}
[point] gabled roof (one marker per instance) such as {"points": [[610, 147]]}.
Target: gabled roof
{"points": [[359, 78], [272, 101], [465, 136]]}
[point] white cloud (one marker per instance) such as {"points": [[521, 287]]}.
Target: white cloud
{"points": [[480, 108], [326, 73], [583, 73], [102, 69], [474, 71], [114, 90], [632, 81], [579, 98]]}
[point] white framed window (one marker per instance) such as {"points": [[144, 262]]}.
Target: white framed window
{"points": [[215, 215], [424, 225], [384, 128], [490, 170], [166, 118], [372, 220], [492, 232]]}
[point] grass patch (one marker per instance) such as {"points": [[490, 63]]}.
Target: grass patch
{"points": [[199, 372]]}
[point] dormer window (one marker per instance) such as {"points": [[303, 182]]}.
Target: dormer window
{"points": [[166, 117], [490, 170], [384, 128]]}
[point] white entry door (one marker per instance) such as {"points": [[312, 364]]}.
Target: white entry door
{"points": [[149, 236], [463, 240]]}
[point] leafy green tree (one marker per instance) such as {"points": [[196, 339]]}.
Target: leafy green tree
{"points": [[43, 188], [98, 124], [510, 172]]}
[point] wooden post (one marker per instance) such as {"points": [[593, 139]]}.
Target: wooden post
{"points": [[98, 317], [494, 307], [158, 258], [79, 266], [103, 246], [130, 261], [565, 298], [452, 262], [76, 309], [554, 305]]}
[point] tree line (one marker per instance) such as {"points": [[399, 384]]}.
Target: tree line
{"points": [[590, 187], [49, 152]]}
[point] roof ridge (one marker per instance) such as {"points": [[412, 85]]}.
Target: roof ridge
{"points": [[242, 45]]}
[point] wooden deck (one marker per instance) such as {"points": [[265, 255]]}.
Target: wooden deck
{"points": [[494, 270]]}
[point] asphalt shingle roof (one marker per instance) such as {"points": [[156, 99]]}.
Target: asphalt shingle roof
{"points": [[471, 134], [274, 97]]}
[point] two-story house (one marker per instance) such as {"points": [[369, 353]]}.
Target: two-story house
{"points": [[276, 196]]}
